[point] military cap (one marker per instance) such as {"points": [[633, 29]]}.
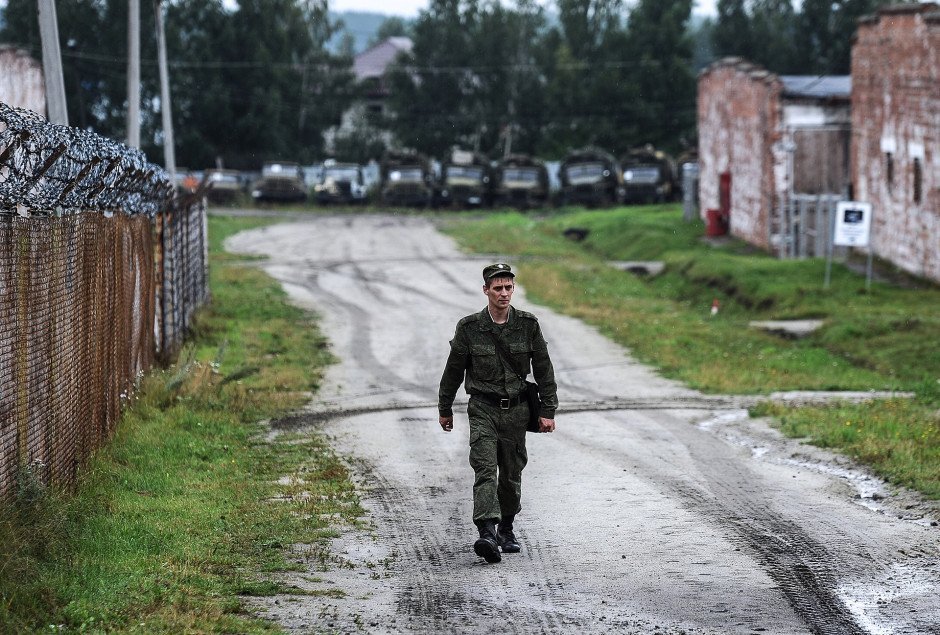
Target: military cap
{"points": [[499, 270]]}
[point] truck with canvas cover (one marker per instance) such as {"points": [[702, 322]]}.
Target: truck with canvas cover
{"points": [[340, 183], [466, 180], [649, 176], [522, 182], [590, 176], [281, 181], [406, 179]]}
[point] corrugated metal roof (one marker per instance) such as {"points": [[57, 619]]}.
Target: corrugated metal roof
{"points": [[817, 86], [373, 62]]}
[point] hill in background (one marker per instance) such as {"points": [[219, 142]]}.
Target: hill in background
{"points": [[361, 25]]}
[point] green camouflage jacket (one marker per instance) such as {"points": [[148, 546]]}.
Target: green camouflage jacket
{"points": [[474, 361]]}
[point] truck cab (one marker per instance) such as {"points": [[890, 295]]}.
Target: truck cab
{"points": [[591, 177]]}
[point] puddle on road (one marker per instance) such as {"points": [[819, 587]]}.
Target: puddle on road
{"points": [[888, 605], [869, 489]]}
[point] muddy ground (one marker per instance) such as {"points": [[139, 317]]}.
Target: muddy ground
{"points": [[653, 508]]}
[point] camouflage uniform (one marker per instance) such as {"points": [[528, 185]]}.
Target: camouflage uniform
{"points": [[497, 435]]}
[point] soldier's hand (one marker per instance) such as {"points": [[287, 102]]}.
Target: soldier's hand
{"points": [[447, 423], [546, 425]]}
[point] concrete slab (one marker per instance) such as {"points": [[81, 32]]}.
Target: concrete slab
{"points": [[649, 268], [788, 328]]}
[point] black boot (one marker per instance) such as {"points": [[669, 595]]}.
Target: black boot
{"points": [[486, 546], [506, 539]]}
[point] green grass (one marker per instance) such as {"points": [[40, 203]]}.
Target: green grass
{"points": [[877, 339], [174, 520]]}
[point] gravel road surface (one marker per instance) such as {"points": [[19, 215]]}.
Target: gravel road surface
{"points": [[653, 508]]}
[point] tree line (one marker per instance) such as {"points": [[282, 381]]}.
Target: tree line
{"points": [[258, 81]]}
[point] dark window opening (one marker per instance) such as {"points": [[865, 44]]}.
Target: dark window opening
{"points": [[889, 170], [918, 181]]}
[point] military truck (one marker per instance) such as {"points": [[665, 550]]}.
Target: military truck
{"points": [[590, 176], [466, 181], [406, 179], [521, 181], [281, 181], [649, 176], [224, 185], [340, 183]]}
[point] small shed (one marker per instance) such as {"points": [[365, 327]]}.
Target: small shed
{"points": [[21, 80], [896, 133], [772, 150]]}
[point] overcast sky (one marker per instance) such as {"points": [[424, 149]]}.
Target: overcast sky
{"points": [[410, 8]]}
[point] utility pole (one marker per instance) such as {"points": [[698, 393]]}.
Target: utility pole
{"points": [[133, 73], [52, 63], [169, 153]]}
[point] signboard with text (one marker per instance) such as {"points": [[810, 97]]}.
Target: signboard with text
{"points": [[853, 224]]}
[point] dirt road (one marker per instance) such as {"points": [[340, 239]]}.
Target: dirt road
{"points": [[652, 506]]}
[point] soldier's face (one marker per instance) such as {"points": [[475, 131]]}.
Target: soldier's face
{"points": [[499, 292]]}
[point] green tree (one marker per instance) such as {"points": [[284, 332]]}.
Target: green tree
{"points": [[393, 26], [660, 51], [774, 26], [824, 36], [430, 85], [248, 84], [585, 61], [732, 33], [285, 89], [471, 78], [93, 41]]}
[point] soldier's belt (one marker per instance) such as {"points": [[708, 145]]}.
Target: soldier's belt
{"points": [[503, 403]]}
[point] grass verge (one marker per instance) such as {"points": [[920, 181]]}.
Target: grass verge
{"points": [[174, 520], [871, 339]]}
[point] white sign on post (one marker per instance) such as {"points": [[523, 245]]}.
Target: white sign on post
{"points": [[853, 224]]}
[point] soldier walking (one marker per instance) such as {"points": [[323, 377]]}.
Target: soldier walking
{"points": [[491, 354]]}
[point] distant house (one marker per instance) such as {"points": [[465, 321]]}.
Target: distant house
{"points": [[371, 71], [765, 140], [896, 133], [21, 80], [371, 65]]}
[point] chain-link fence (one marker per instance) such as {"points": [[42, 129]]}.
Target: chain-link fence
{"points": [[182, 272], [101, 268]]}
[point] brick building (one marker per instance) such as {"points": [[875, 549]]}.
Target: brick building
{"points": [[765, 139], [896, 133], [21, 81]]}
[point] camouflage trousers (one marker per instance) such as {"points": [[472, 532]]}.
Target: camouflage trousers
{"points": [[497, 456]]}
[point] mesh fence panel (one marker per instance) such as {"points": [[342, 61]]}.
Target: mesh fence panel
{"points": [[183, 272], [94, 254]]}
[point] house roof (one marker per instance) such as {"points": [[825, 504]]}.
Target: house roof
{"points": [[374, 61], [817, 86]]}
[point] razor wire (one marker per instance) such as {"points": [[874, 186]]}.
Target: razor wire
{"points": [[102, 269], [51, 169]]}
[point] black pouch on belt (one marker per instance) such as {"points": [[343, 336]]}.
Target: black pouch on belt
{"points": [[535, 406], [531, 389]]}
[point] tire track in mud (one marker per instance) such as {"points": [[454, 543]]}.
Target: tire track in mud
{"points": [[361, 347], [801, 566], [435, 575]]}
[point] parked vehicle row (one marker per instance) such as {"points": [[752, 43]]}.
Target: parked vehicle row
{"points": [[587, 176], [404, 178]]}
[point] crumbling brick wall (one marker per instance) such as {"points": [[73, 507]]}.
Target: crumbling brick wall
{"points": [[739, 111], [896, 133]]}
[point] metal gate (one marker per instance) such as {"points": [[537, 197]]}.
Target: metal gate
{"points": [[803, 225]]}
